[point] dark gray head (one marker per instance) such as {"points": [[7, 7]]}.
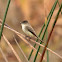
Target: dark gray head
{"points": [[24, 22]]}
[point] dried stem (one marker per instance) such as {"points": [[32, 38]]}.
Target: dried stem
{"points": [[48, 49], [12, 49], [3, 55], [21, 49]]}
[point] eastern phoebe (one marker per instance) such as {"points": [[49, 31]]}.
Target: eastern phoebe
{"points": [[28, 30]]}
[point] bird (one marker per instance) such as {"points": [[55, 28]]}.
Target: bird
{"points": [[28, 30]]}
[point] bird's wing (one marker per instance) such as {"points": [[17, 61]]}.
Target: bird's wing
{"points": [[30, 29]]}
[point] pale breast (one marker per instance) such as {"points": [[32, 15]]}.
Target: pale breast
{"points": [[26, 31]]}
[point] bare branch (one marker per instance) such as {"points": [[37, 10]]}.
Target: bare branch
{"points": [[12, 49], [3, 55], [48, 49], [21, 49]]}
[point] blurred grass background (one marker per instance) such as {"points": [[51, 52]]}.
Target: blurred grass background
{"points": [[35, 12]]}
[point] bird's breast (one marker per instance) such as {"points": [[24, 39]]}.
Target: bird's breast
{"points": [[26, 31]]}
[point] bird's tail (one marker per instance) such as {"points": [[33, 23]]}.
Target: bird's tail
{"points": [[36, 36]]}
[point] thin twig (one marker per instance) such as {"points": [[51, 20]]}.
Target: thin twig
{"points": [[3, 55], [27, 42], [48, 49], [12, 49], [21, 49], [21, 36]]}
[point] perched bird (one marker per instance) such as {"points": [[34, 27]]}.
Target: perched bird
{"points": [[28, 30]]}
